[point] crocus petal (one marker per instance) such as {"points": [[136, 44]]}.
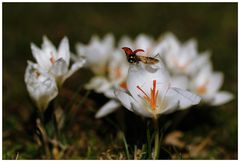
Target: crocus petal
{"points": [[171, 41], [80, 48], [125, 41], [104, 87], [200, 61], [59, 69], [128, 102], [221, 97], [144, 42], [48, 48], [215, 82], [171, 106], [140, 110], [118, 67], [189, 48], [95, 82], [42, 87], [63, 50], [179, 81], [77, 65], [184, 98], [40, 57], [202, 77], [108, 41], [107, 108], [125, 99], [97, 53], [109, 93], [99, 84]]}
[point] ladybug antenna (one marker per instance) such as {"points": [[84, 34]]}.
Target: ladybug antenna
{"points": [[127, 50]]}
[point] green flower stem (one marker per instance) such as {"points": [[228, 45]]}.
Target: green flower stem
{"points": [[156, 141], [44, 135]]}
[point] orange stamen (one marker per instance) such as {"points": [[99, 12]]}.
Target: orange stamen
{"points": [[152, 99]]}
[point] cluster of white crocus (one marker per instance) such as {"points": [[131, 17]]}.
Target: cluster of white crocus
{"points": [[184, 68], [109, 66], [188, 70], [44, 78], [193, 70]]}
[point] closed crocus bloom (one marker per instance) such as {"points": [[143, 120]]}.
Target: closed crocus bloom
{"points": [[149, 92], [97, 53], [207, 84], [56, 61], [41, 86]]}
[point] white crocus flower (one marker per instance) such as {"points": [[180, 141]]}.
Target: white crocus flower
{"points": [[97, 53], [207, 84], [149, 92], [118, 68], [182, 58], [41, 86], [56, 61]]}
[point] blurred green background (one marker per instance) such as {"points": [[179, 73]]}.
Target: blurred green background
{"points": [[214, 25]]}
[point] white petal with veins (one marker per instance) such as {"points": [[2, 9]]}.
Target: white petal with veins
{"points": [[185, 98], [125, 99]]}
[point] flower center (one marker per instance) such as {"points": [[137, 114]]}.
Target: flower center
{"points": [[202, 88], [152, 99], [123, 85], [182, 66]]}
